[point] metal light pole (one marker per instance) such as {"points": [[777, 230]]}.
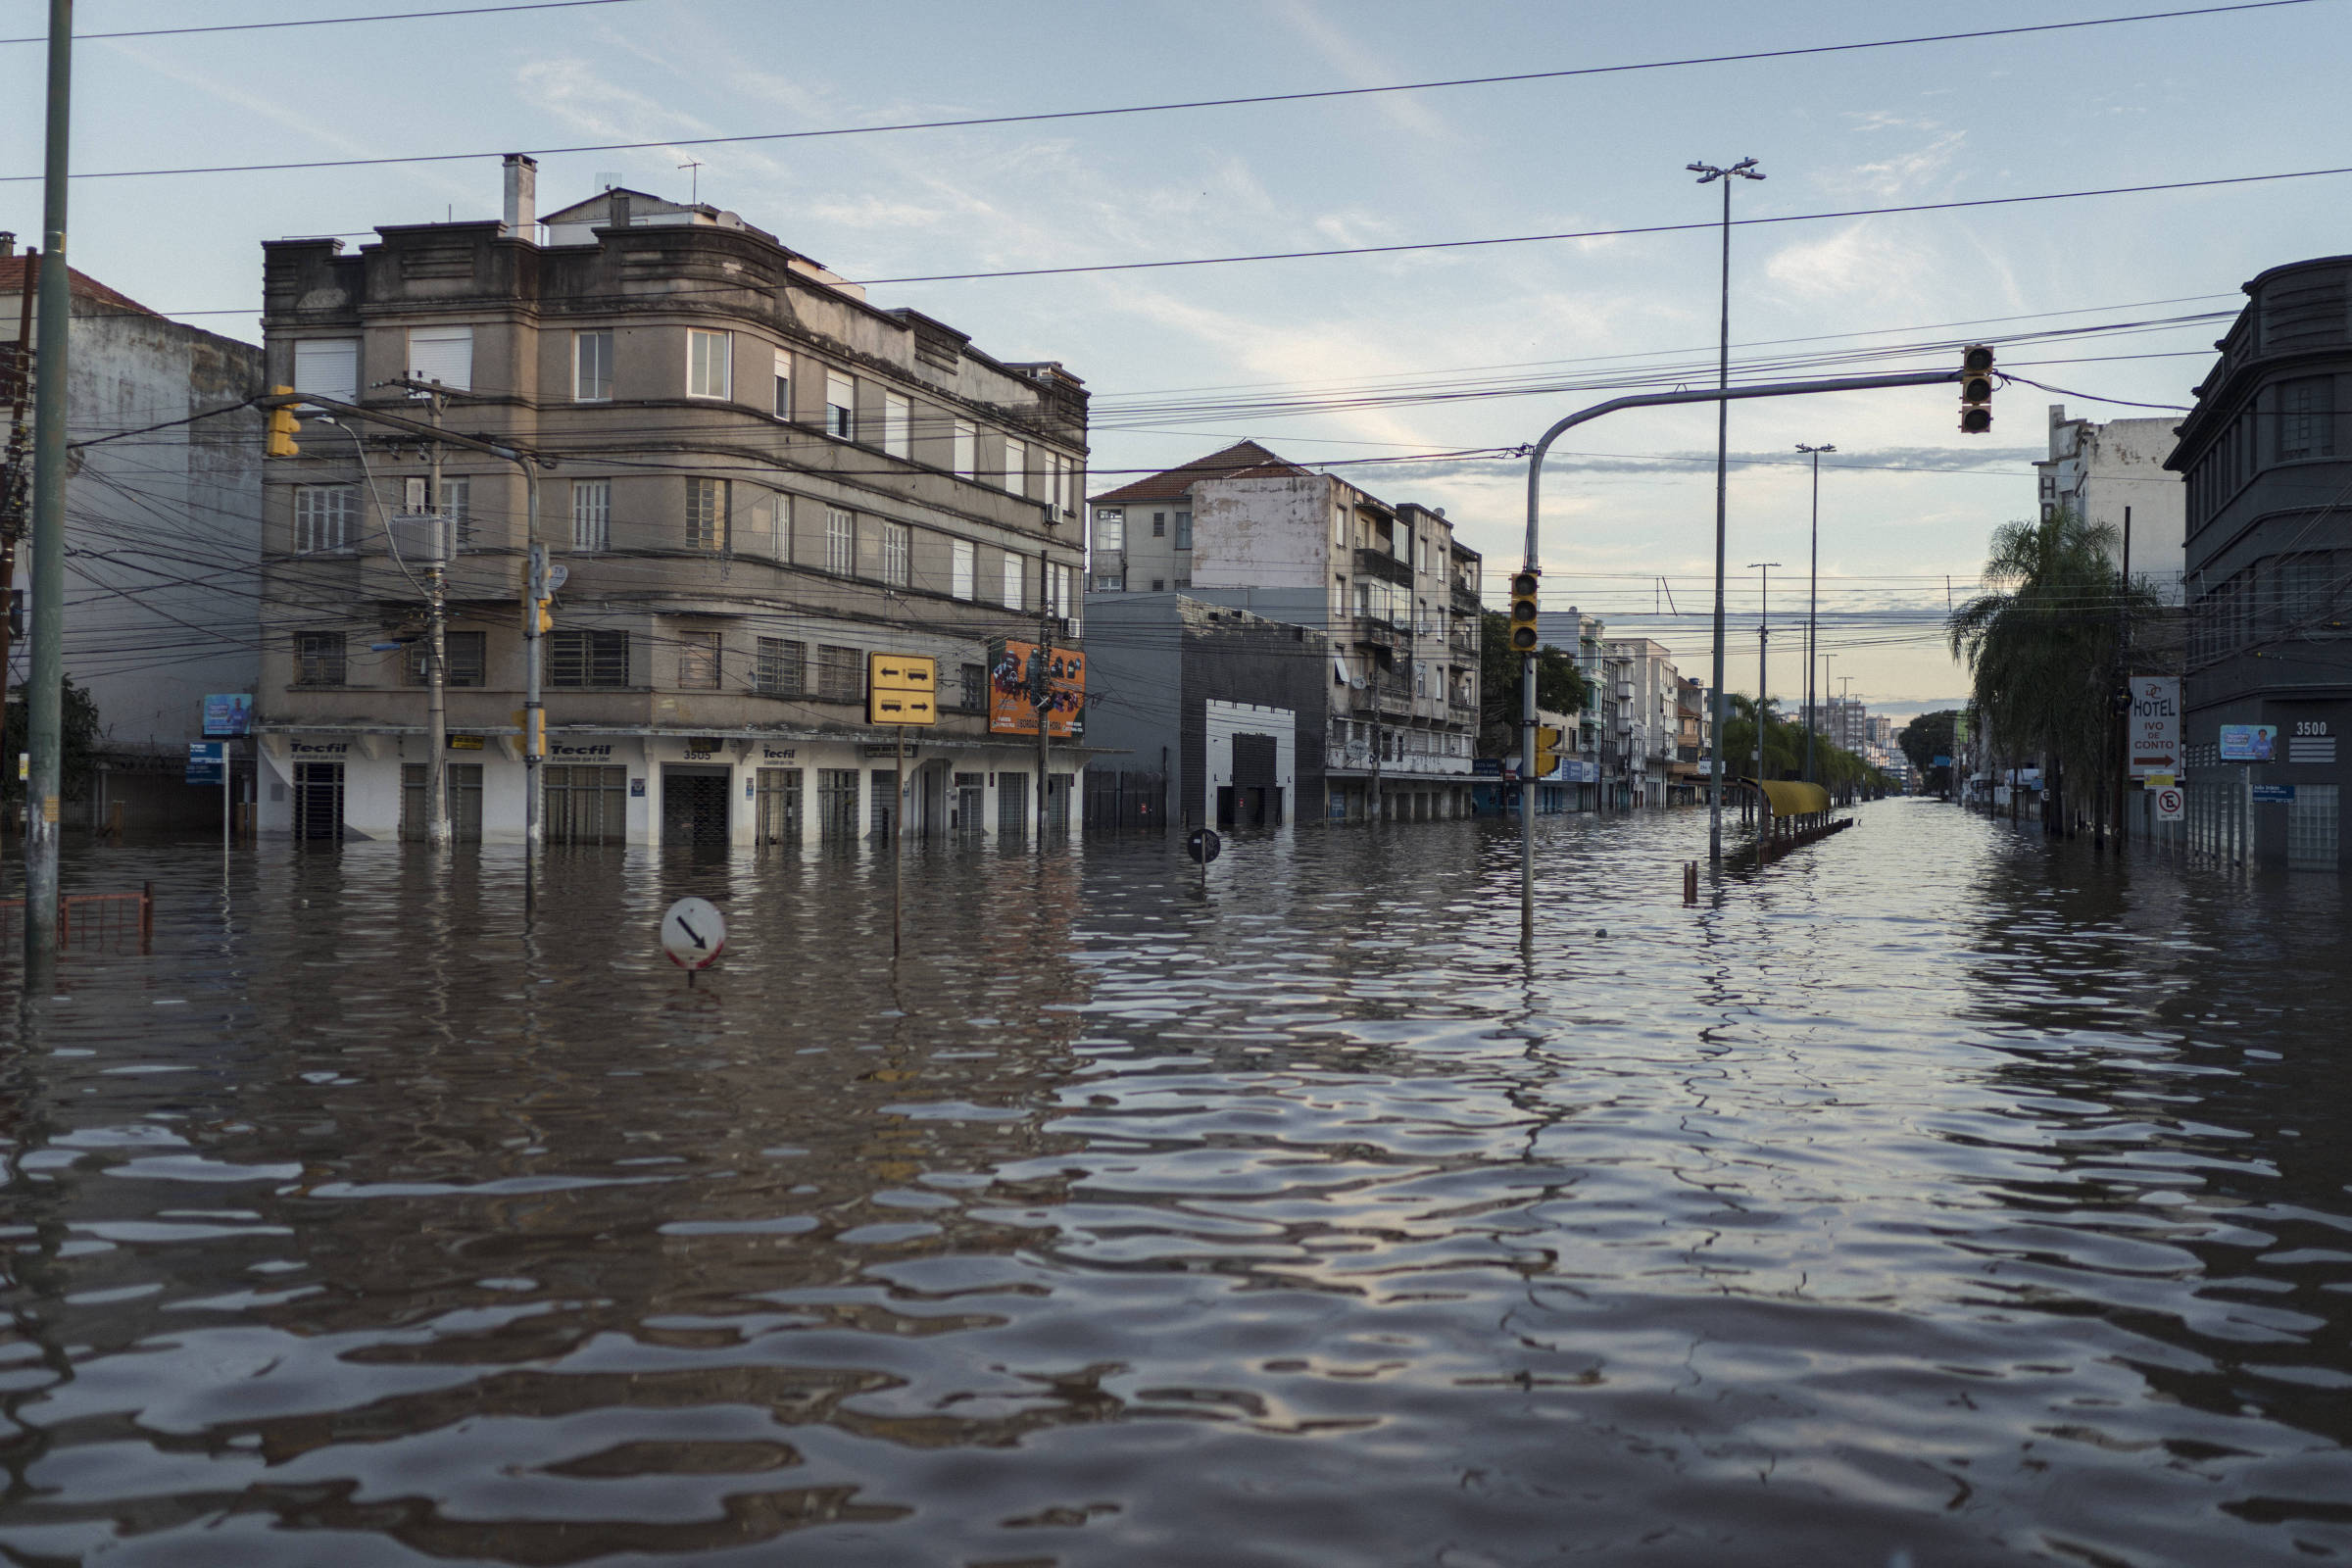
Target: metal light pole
{"points": [[1746, 168], [1763, 639], [1813, 606], [44, 683]]}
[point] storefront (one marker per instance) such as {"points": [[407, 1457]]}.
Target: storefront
{"points": [[712, 792]]}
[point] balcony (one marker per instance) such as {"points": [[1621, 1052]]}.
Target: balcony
{"points": [[1368, 631], [1385, 566], [1466, 600]]}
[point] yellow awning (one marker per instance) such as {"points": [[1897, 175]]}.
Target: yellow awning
{"points": [[1788, 798]]}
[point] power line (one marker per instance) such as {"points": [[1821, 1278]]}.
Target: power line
{"points": [[330, 22], [977, 120], [1710, 225]]}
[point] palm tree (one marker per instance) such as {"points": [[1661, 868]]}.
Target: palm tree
{"points": [[2040, 645]]}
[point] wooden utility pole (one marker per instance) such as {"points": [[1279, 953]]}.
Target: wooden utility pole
{"points": [[13, 476], [1043, 687]]}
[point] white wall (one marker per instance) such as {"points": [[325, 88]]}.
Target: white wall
{"points": [[1228, 720], [1263, 533]]}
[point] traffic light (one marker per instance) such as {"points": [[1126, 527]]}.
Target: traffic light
{"points": [[1523, 610], [281, 427], [1548, 749], [1976, 389]]}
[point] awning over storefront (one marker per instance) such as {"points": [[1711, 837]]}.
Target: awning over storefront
{"points": [[1788, 798]]}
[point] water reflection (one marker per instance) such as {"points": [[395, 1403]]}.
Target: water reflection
{"points": [[1938, 1190]]}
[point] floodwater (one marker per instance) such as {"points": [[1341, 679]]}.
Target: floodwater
{"points": [[1939, 1195]]}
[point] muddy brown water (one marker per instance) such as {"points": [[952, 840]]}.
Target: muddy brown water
{"points": [[1939, 1195]]}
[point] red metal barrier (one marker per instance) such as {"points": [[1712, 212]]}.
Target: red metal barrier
{"points": [[99, 919]]}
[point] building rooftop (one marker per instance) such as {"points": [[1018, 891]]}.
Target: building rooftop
{"points": [[85, 287], [1244, 459]]}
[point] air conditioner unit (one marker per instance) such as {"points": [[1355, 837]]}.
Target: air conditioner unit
{"points": [[421, 538]]}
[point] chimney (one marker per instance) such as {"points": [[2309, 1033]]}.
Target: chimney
{"points": [[522, 194], [8, 243], [618, 207]]}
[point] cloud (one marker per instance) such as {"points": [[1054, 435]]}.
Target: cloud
{"points": [[1906, 172], [1863, 260], [1361, 69]]}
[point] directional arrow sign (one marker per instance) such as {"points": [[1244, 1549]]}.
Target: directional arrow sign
{"points": [[692, 933]]}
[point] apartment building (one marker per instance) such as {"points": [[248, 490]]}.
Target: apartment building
{"points": [[752, 476], [1646, 717], [1688, 774], [148, 644], [1590, 752], [1389, 585]]}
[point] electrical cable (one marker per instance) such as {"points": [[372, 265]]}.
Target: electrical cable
{"points": [[329, 22]]}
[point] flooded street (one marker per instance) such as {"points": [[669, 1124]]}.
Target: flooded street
{"points": [[1939, 1191]]}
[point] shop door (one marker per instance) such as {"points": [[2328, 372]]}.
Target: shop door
{"points": [[778, 818], [318, 800], [971, 803], [1255, 759], [1012, 805], [694, 807], [462, 785], [586, 803]]}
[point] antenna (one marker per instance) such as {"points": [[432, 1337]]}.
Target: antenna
{"points": [[694, 196]]}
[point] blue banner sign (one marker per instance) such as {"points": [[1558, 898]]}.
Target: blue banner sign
{"points": [[2274, 794], [228, 714], [204, 762]]}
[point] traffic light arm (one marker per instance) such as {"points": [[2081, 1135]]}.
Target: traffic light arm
{"points": [[1534, 509]]}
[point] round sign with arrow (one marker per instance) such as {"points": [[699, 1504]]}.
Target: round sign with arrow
{"points": [[1203, 845], [694, 933]]}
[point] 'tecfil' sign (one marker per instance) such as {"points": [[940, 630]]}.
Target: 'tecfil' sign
{"points": [[901, 689]]}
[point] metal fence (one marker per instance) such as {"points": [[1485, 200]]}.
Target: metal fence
{"points": [[1125, 802]]}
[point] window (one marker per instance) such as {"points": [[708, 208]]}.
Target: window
{"points": [[841, 405], [1160, 525], [897, 546], [1109, 582], [1110, 529], [588, 659], [325, 516], [1184, 530], [456, 504], [1012, 582], [776, 818], [698, 660], [2306, 418], [841, 542], [591, 513], [960, 573], [319, 659], [836, 803], [971, 693], [328, 367], [709, 363], [443, 354], [464, 660], [897, 426], [967, 450], [1017, 466], [592, 366], [840, 673], [1159, 585], [706, 513], [781, 670], [779, 527], [783, 385]]}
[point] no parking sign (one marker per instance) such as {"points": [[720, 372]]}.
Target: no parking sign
{"points": [[2170, 803]]}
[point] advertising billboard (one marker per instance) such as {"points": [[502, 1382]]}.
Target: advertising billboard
{"points": [[1010, 709], [2155, 725], [2248, 743], [228, 714]]}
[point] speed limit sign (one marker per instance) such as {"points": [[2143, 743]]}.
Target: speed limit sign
{"points": [[2171, 805]]}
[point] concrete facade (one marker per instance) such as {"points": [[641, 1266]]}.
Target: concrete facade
{"points": [[753, 477], [2114, 474], [149, 641], [2265, 461], [1396, 596]]}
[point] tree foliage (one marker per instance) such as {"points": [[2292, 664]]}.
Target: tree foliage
{"points": [[1925, 739], [1560, 686], [80, 716], [2041, 644], [1834, 767]]}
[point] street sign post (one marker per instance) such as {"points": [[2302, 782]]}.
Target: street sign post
{"points": [[2170, 803], [2274, 794], [901, 689], [1203, 845], [694, 934]]}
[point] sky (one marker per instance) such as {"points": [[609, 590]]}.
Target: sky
{"points": [[1396, 357]]}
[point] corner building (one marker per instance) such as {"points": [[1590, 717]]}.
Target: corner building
{"points": [[754, 478]]}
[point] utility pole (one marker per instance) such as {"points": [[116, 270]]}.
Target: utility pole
{"points": [[2122, 682], [436, 600], [1763, 638], [1813, 605], [1041, 688], [1746, 168], [44, 686]]}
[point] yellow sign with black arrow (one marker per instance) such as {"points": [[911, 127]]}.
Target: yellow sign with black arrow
{"points": [[901, 689]]}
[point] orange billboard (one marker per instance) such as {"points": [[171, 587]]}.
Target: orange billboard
{"points": [[1010, 709]]}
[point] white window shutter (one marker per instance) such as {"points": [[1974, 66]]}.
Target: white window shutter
{"points": [[443, 354], [328, 367]]}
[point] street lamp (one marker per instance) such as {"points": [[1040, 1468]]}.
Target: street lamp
{"points": [[1813, 603], [1746, 168]]}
